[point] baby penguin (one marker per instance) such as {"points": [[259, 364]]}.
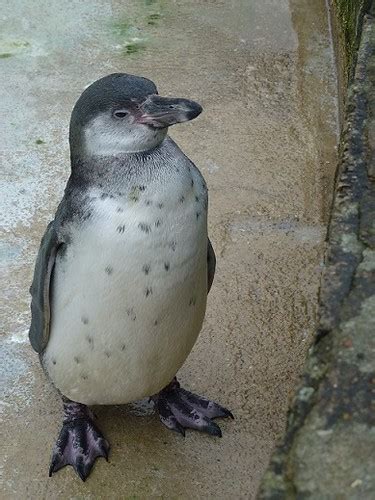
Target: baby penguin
{"points": [[123, 271]]}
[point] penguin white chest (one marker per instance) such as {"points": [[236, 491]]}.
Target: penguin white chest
{"points": [[129, 293]]}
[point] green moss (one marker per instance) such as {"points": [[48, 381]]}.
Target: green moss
{"points": [[350, 14], [154, 17], [9, 48], [129, 36], [133, 48], [132, 33], [39, 142], [21, 45]]}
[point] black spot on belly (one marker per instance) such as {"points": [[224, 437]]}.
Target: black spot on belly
{"points": [[130, 312], [123, 347], [148, 202], [54, 361], [192, 183], [90, 340], [146, 268], [197, 215], [85, 320], [156, 322], [84, 376], [109, 270], [172, 245], [158, 223], [142, 188], [160, 205], [77, 359], [120, 229], [120, 209], [134, 194], [192, 301], [148, 291], [86, 216], [103, 196], [182, 199], [144, 227], [197, 199], [107, 353], [166, 266]]}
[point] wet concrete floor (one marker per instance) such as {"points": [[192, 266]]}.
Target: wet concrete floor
{"points": [[264, 73]]}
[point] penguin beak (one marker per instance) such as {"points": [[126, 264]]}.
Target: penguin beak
{"points": [[161, 112]]}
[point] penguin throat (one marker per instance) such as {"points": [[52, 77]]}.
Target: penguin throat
{"points": [[105, 139]]}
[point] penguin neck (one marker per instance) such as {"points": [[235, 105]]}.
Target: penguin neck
{"points": [[101, 141], [112, 170], [97, 140]]}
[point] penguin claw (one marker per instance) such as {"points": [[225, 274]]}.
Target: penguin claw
{"points": [[209, 408], [79, 444], [167, 418], [180, 409]]}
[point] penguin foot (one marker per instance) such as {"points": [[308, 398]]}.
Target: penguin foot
{"points": [[79, 443], [180, 409]]}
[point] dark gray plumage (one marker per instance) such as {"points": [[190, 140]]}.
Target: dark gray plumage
{"points": [[41, 288]]}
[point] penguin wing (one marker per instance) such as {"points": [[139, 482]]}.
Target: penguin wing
{"points": [[211, 265], [40, 289]]}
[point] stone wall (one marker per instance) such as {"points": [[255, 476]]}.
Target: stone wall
{"points": [[327, 451]]}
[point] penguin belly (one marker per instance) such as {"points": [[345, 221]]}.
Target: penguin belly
{"points": [[128, 298]]}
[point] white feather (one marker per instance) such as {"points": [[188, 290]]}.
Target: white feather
{"points": [[106, 136], [129, 295]]}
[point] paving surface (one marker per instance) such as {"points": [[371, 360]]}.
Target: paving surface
{"points": [[328, 449], [266, 144]]}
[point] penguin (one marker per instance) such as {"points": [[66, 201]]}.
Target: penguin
{"points": [[123, 271]]}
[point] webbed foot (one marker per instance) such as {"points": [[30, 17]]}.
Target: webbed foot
{"points": [[79, 443], [180, 409]]}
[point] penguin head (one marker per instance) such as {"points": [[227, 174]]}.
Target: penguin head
{"points": [[122, 113]]}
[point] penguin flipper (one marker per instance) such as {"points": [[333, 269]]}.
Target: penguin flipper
{"points": [[211, 265], [40, 289]]}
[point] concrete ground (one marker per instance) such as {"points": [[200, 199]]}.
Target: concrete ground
{"points": [[264, 73]]}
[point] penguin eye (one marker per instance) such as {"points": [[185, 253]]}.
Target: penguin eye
{"points": [[121, 113]]}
